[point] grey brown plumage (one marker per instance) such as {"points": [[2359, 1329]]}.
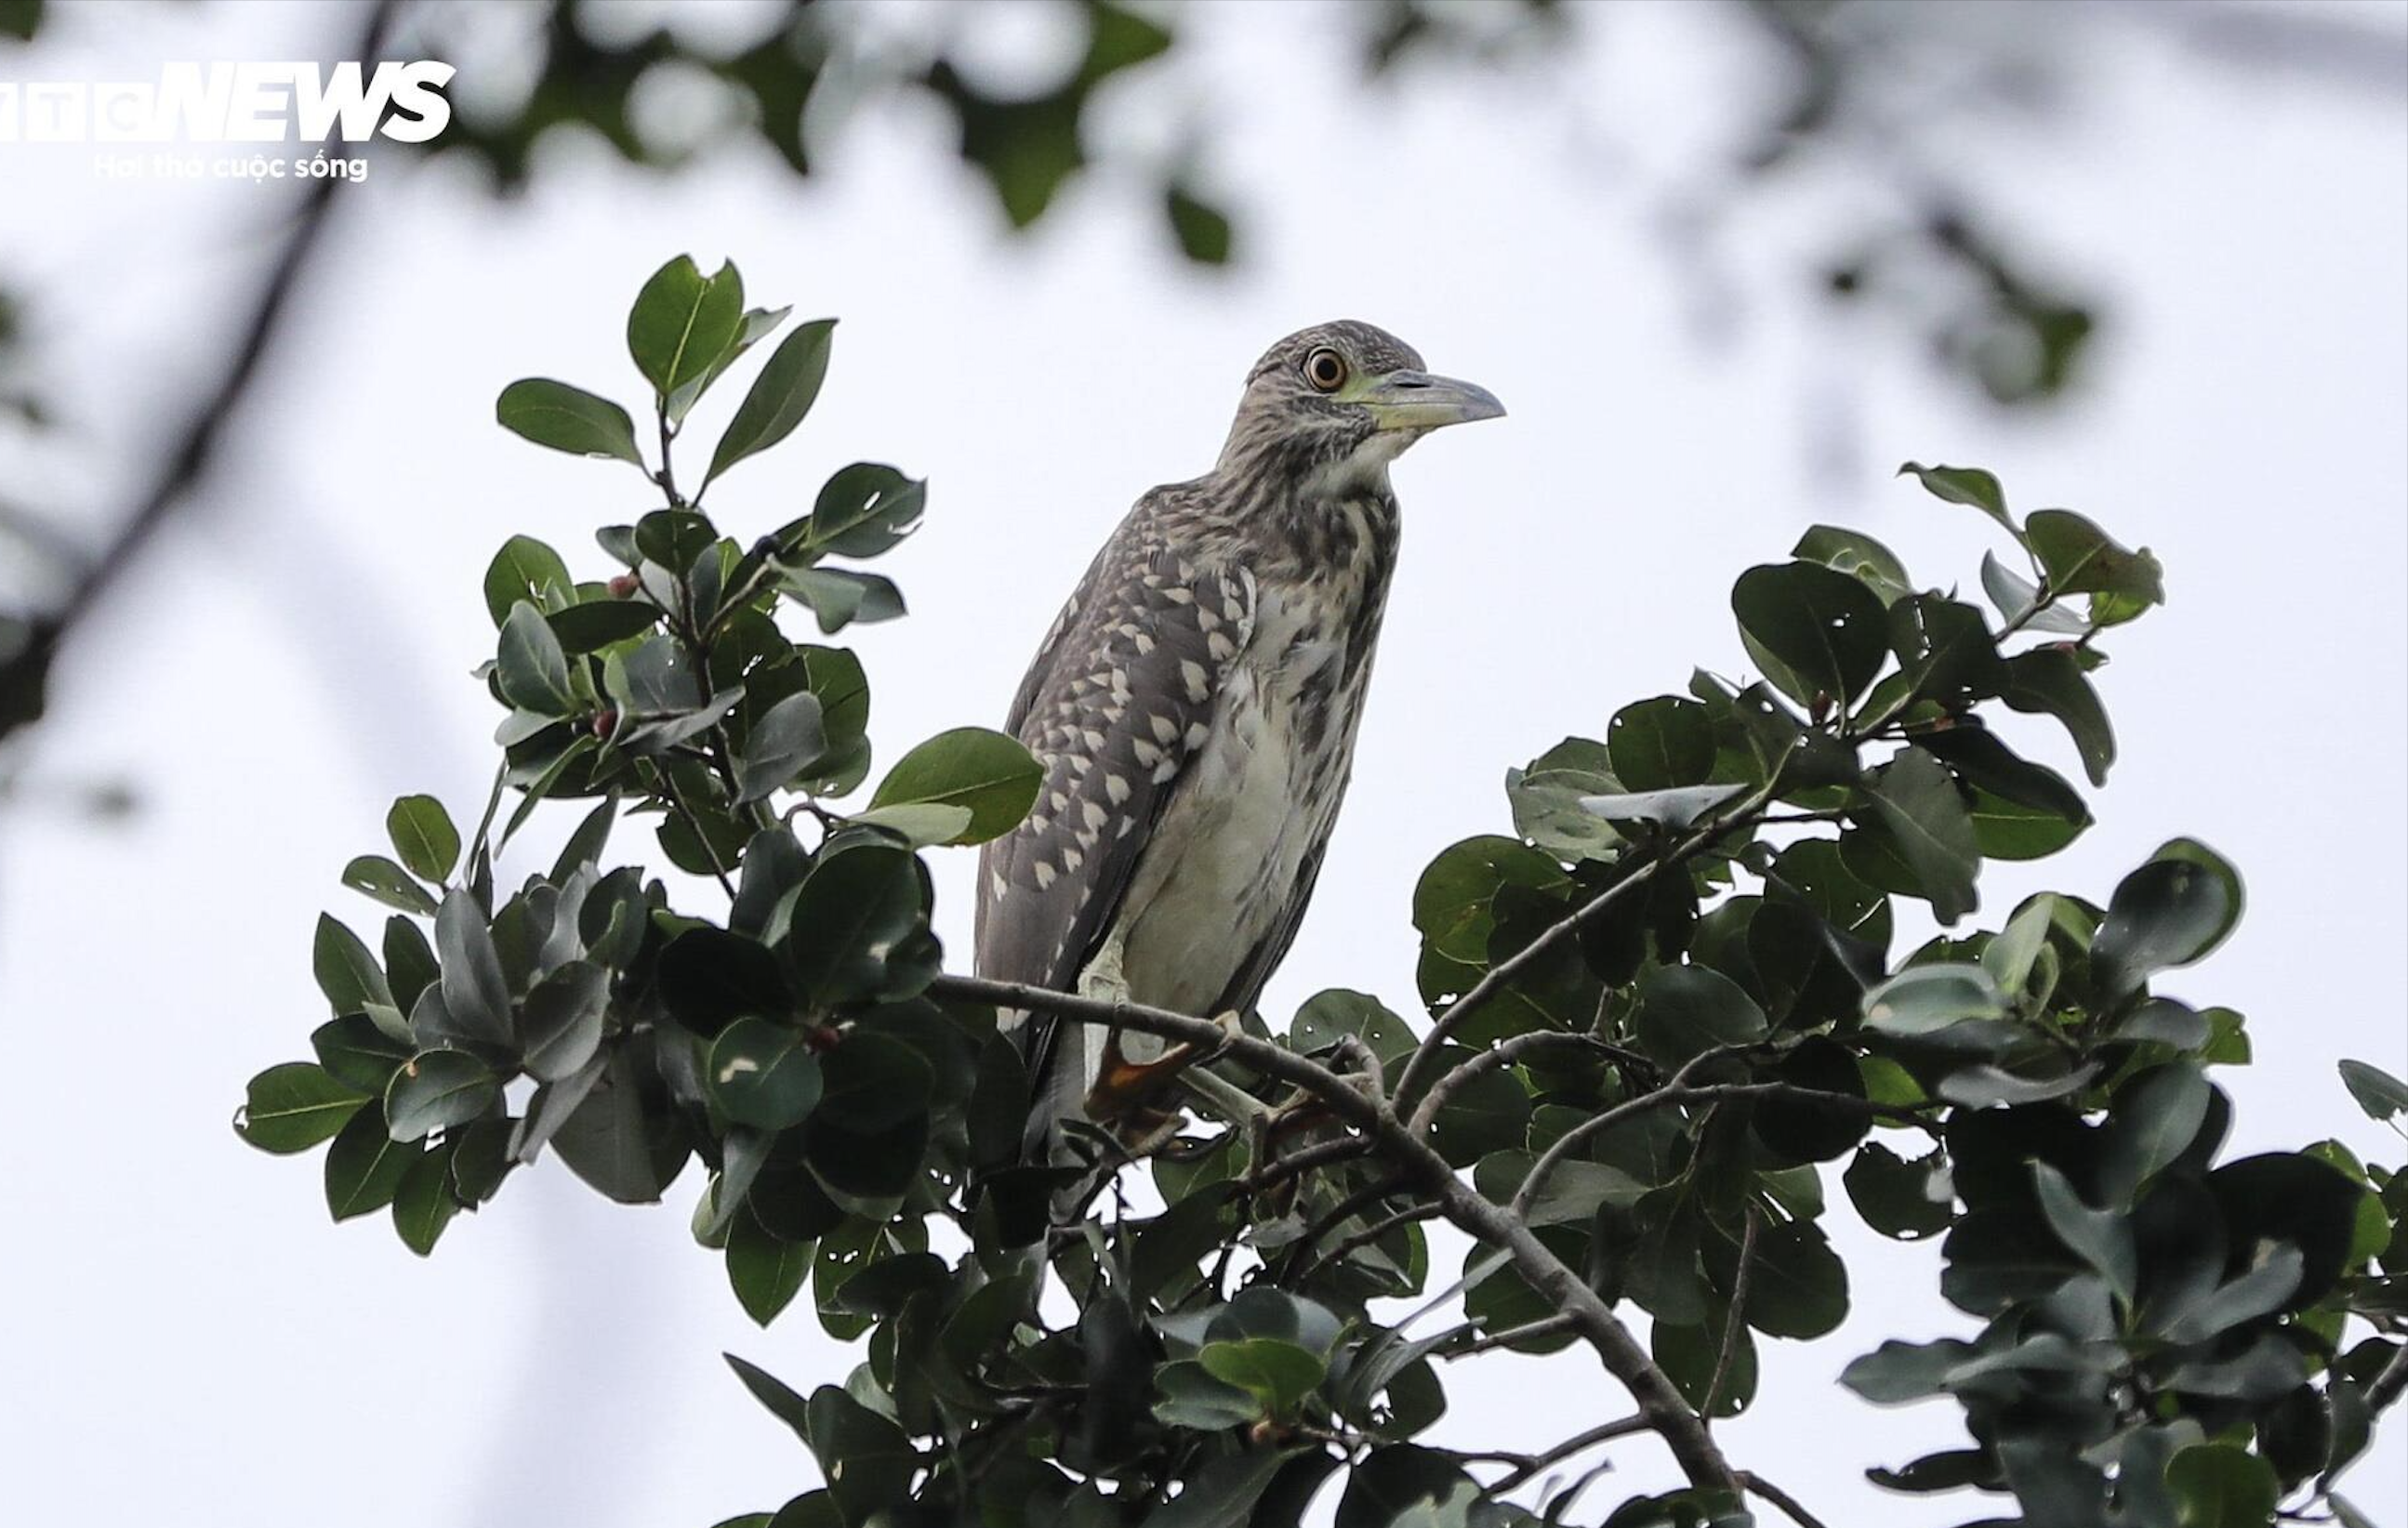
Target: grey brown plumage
{"points": [[1195, 706]]}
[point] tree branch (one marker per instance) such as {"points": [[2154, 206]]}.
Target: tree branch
{"points": [[1503, 973], [23, 673], [1734, 1323], [1757, 1485], [1528, 1467], [1506, 1054], [1668, 1416]]}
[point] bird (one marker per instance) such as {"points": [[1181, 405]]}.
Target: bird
{"points": [[1194, 709]]}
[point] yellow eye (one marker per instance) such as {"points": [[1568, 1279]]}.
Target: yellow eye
{"points": [[1326, 369]]}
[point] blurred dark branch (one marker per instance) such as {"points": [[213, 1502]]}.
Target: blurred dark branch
{"points": [[25, 670]]}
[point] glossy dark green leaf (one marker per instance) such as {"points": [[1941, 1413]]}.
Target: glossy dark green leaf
{"points": [[2377, 1092], [600, 622], [532, 670], [985, 771], [365, 1164], [1686, 1010], [423, 836], [774, 1393], [567, 419], [837, 596], [1908, 1200], [2081, 559], [2158, 1114], [1813, 632], [1965, 485], [1946, 651], [292, 1107], [347, 973], [1898, 1372], [763, 1075], [1327, 1015], [785, 742], [1277, 1373], [779, 396], [1926, 999], [1658, 744], [357, 1054], [2100, 1238], [682, 322], [710, 978], [525, 569], [866, 509], [2169, 912], [1916, 802], [1385, 1489], [868, 1460], [561, 1025], [387, 882], [1798, 1287], [424, 1203], [851, 920], [1857, 555], [476, 993], [437, 1089], [2050, 681], [765, 1272], [2223, 1486]]}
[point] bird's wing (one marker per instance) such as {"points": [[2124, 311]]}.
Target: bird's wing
{"points": [[1121, 696]]}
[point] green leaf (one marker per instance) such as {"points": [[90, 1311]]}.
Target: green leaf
{"points": [[780, 395], [2377, 1092], [349, 975], [475, 992], [1813, 632], [868, 1460], [532, 670], [2080, 558], [681, 324], [759, 324], [1660, 743], [437, 1089], [596, 624], [1906, 1200], [293, 1107], [2018, 601], [1966, 485], [1327, 1015], [925, 823], [785, 742], [424, 1203], [365, 1166], [773, 1392], [389, 883], [765, 1272], [851, 917], [1916, 799], [837, 598], [567, 419], [2221, 1485], [1946, 652], [762, 1074], [1278, 1374], [1686, 1010], [1799, 1287], [866, 509], [1926, 999], [1201, 229], [2101, 1239], [1857, 555], [561, 1027], [1898, 1372], [357, 1054], [2156, 1116], [1680, 808], [985, 771], [2169, 912], [2049, 681], [423, 835], [525, 569], [1191, 1397]]}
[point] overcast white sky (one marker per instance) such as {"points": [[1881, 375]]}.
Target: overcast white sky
{"points": [[188, 1341]]}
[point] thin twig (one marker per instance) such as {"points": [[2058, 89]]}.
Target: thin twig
{"points": [[1504, 972], [1757, 1485], [1543, 1326], [1506, 1054], [1528, 1467], [1369, 1234], [1734, 1323], [22, 673], [1304, 1158]]}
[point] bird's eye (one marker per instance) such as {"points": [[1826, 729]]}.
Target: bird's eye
{"points": [[1326, 369]]}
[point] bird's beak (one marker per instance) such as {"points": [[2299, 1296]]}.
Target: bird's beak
{"points": [[1415, 400]]}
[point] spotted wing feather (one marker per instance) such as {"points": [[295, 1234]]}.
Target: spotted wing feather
{"points": [[1119, 699]]}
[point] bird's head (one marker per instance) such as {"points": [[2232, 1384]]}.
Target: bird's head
{"points": [[1328, 408]]}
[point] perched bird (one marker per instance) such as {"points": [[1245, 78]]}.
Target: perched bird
{"points": [[1195, 707]]}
